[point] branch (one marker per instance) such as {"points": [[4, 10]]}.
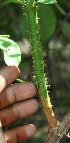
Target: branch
{"points": [[60, 9], [55, 134]]}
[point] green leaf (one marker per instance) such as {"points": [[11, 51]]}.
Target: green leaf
{"points": [[6, 36], [47, 21], [15, 1], [47, 1], [23, 26], [12, 55]]}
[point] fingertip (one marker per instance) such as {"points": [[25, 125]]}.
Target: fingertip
{"points": [[10, 70], [31, 130], [20, 134], [13, 67], [35, 104], [33, 87], [8, 75]]}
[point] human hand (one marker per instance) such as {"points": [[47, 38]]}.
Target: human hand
{"points": [[10, 107]]}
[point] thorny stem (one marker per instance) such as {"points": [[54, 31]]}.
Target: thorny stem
{"points": [[36, 49]]}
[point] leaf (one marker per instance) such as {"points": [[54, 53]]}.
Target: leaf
{"points": [[15, 1], [47, 21], [12, 55], [47, 1], [23, 26], [6, 36]]}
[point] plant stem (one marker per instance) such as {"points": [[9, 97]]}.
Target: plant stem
{"points": [[61, 10], [31, 11]]}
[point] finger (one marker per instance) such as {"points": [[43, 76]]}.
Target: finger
{"points": [[16, 92], [19, 110], [20, 133], [7, 76]]}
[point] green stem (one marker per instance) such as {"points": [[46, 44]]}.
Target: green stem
{"points": [[37, 51], [38, 62]]}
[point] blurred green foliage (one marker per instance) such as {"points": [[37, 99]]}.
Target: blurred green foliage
{"points": [[14, 21]]}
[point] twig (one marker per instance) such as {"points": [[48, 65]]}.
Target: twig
{"points": [[2, 139], [55, 134], [60, 9]]}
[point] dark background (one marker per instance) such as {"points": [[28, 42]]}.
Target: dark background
{"points": [[55, 38]]}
